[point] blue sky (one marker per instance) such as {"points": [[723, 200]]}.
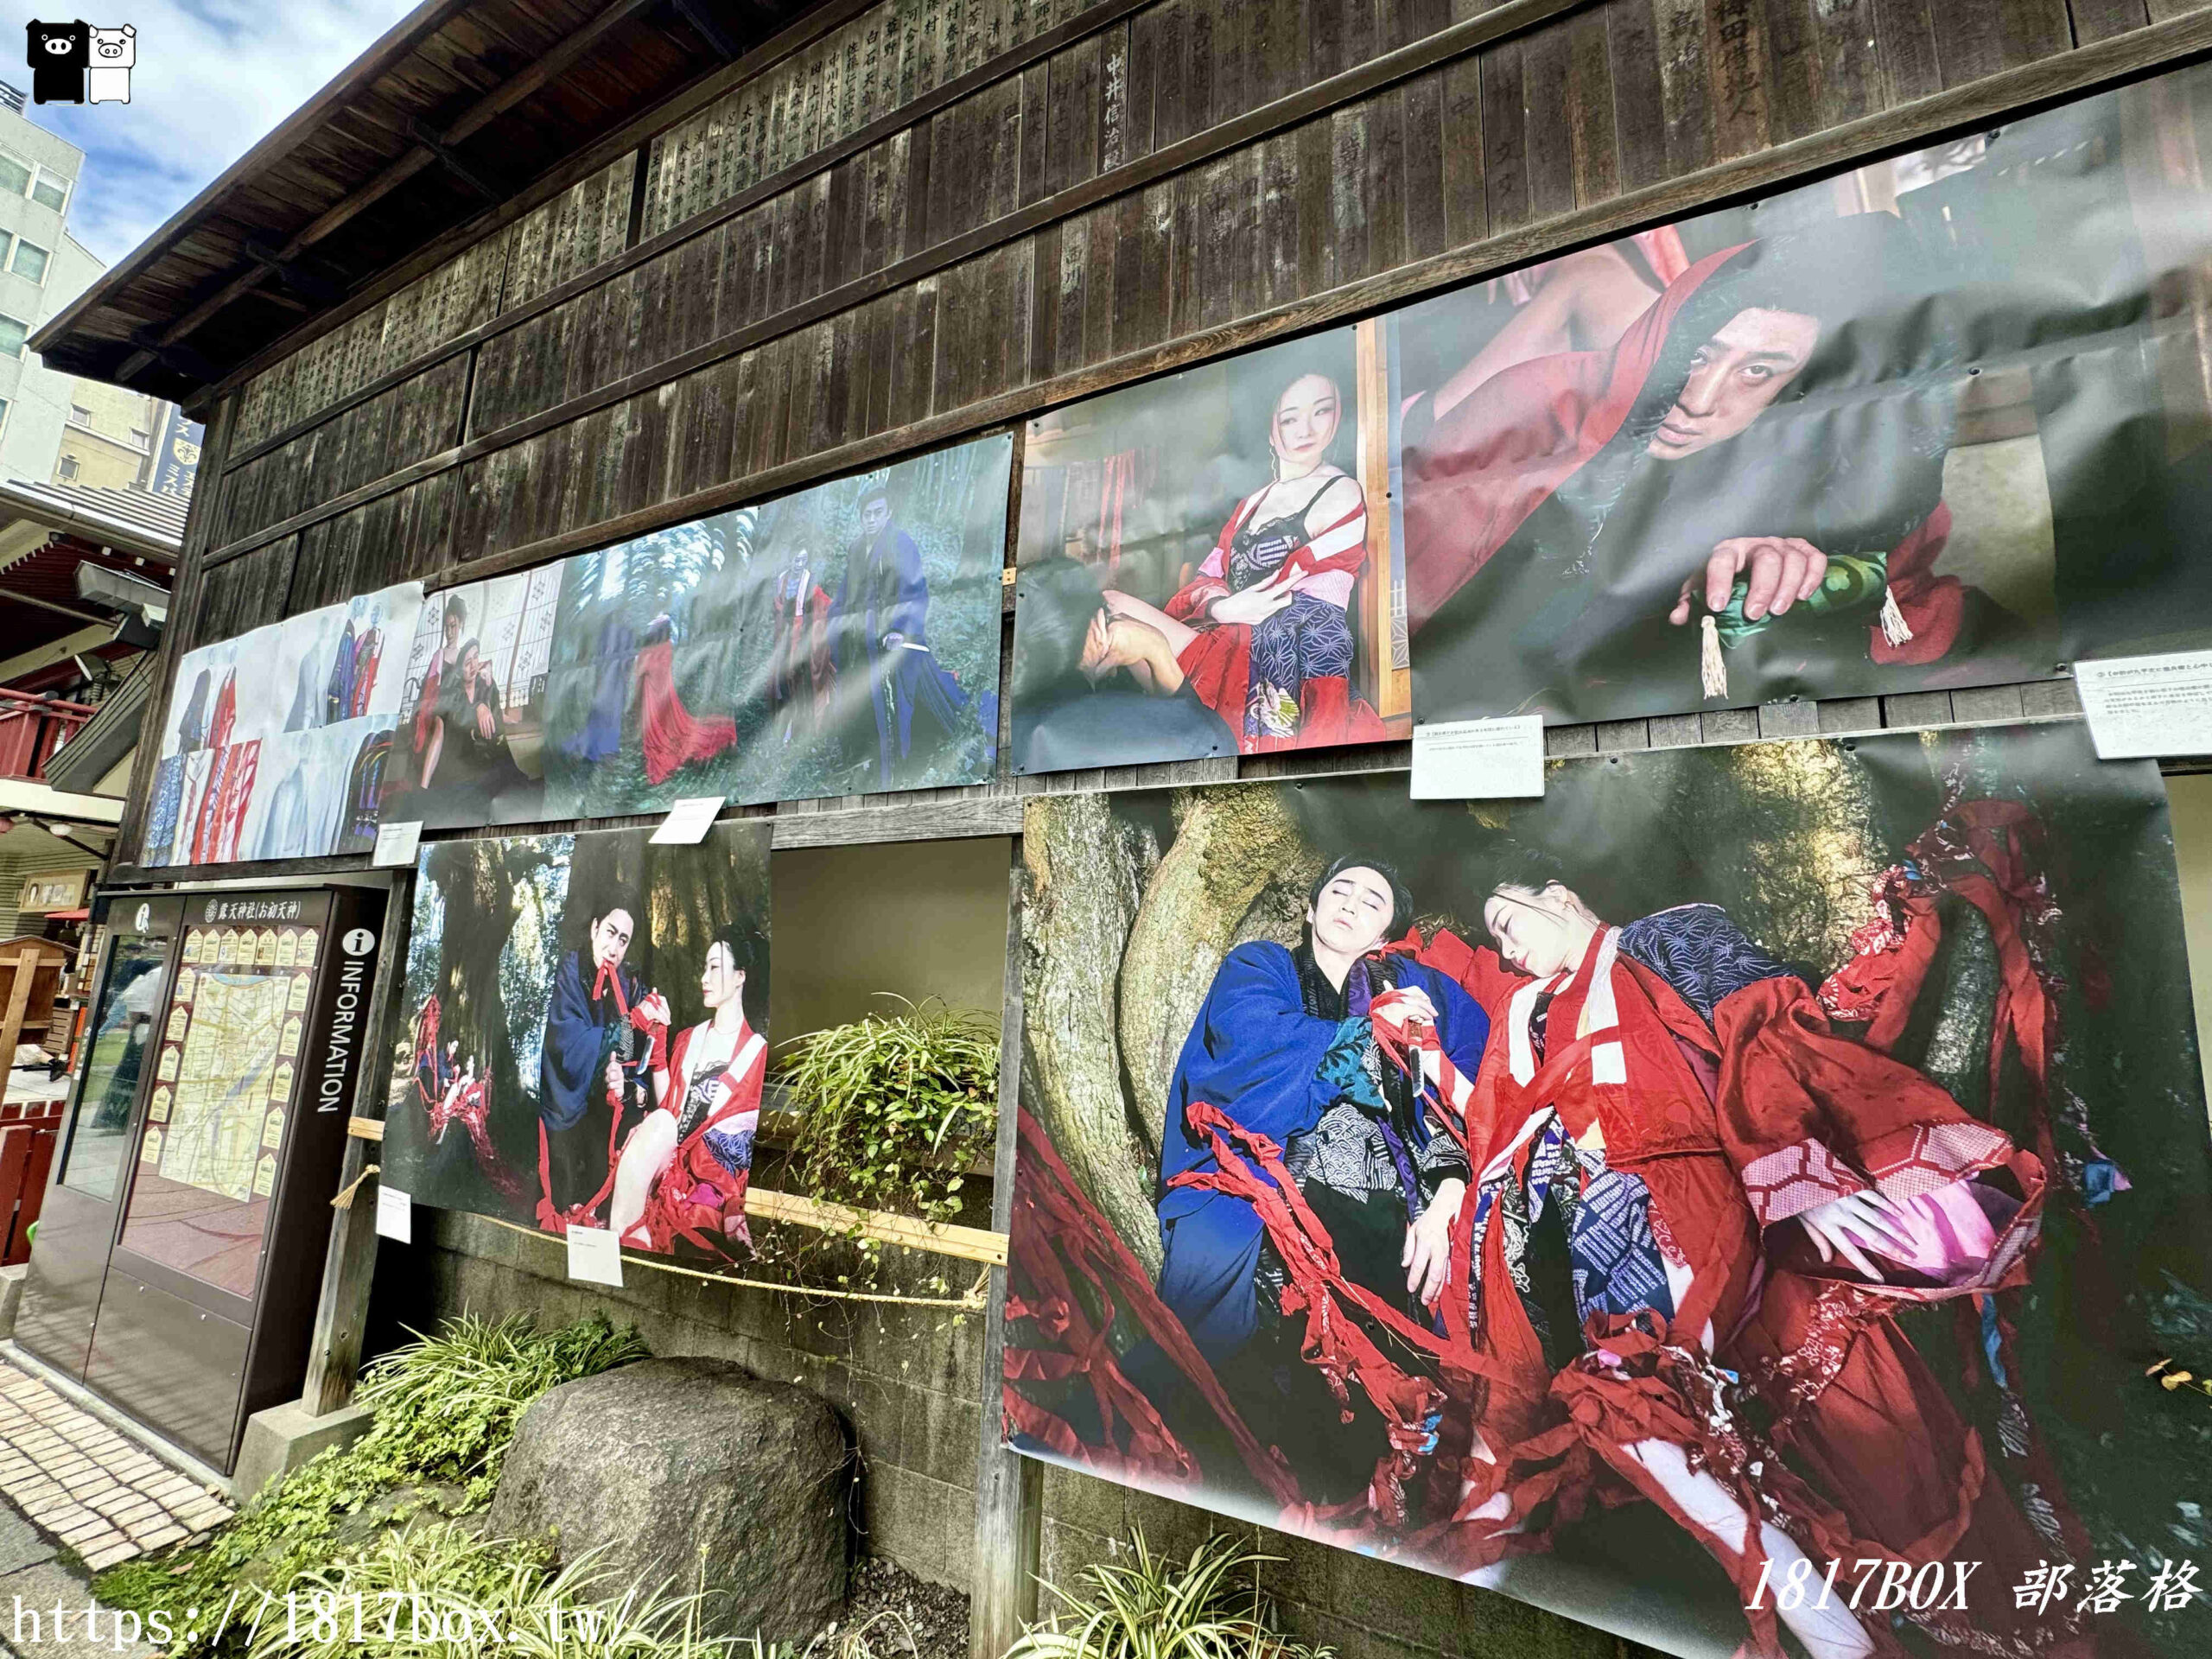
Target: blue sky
{"points": [[212, 77]]}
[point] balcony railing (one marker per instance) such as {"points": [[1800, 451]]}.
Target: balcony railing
{"points": [[33, 730]]}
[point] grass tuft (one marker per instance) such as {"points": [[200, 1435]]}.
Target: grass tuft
{"points": [[1150, 1607]]}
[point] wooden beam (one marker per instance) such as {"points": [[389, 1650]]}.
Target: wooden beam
{"points": [[71, 612], [1010, 1488], [937, 1237], [982, 815], [342, 1314]]}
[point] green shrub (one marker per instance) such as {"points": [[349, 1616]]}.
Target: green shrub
{"points": [[446, 1408], [1149, 1608], [889, 1108]]}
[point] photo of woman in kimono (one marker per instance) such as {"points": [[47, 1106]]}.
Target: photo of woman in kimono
{"points": [[1286, 1047], [1698, 1212], [1261, 631], [428, 725], [593, 1081], [1741, 497], [683, 1170], [800, 677], [466, 764]]}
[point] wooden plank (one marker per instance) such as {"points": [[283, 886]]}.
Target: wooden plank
{"points": [[1736, 44], [1590, 104], [1544, 72], [1010, 1488], [936, 820], [937, 1237], [1684, 87], [1639, 100], [1505, 137]]}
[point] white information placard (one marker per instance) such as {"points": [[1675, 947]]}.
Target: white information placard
{"points": [[396, 842], [593, 1256], [1479, 759], [688, 821], [395, 1215], [2140, 708]]}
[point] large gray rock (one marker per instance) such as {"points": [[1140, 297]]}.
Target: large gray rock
{"points": [[672, 1465]]}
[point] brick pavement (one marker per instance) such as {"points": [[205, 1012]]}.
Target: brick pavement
{"points": [[89, 1485]]}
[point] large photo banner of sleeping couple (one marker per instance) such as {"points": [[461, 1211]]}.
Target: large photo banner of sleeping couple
{"points": [[1733, 1201], [276, 741], [843, 640], [588, 1034]]}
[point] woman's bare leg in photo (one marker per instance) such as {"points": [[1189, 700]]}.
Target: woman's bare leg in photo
{"points": [[1179, 635], [1827, 1633], [647, 1153], [434, 747]]}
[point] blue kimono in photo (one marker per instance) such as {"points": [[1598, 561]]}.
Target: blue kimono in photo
{"points": [[885, 591], [582, 1031], [1286, 1054]]}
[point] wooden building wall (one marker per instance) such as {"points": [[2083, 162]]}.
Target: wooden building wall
{"points": [[941, 216]]}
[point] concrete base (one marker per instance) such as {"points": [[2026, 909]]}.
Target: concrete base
{"points": [[281, 1439], [11, 1295]]}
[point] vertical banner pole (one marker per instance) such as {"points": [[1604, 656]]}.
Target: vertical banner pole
{"points": [[1010, 1488], [342, 1314]]}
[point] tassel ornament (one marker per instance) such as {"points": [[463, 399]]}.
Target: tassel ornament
{"points": [[1895, 628], [1712, 667]]}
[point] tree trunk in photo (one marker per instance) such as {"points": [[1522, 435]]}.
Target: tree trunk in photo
{"points": [[1085, 874], [1804, 818], [1232, 847]]}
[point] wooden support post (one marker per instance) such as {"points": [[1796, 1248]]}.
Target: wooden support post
{"points": [[26, 961], [341, 1315], [1010, 1488]]}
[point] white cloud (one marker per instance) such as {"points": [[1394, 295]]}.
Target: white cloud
{"points": [[212, 78]]}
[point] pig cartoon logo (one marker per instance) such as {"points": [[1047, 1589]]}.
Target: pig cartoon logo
{"points": [[115, 52], [58, 54]]}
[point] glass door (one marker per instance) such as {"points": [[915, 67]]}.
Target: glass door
{"points": [[77, 1224]]}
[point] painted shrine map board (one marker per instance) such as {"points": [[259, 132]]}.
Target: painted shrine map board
{"points": [[225, 1078]]}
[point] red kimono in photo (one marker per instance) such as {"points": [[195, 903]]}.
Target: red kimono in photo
{"points": [[672, 736], [800, 662], [1680, 1061], [1284, 682], [717, 1114]]}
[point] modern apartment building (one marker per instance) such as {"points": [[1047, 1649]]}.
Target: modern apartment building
{"points": [[54, 427]]}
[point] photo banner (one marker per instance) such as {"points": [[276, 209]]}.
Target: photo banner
{"points": [[1742, 1169], [843, 640], [276, 741], [1943, 420], [1206, 565], [588, 1034]]}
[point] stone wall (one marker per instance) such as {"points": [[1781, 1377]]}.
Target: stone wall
{"points": [[909, 1380]]}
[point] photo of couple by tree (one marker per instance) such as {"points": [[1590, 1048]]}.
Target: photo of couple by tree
{"points": [[1737, 1162], [588, 1034]]}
